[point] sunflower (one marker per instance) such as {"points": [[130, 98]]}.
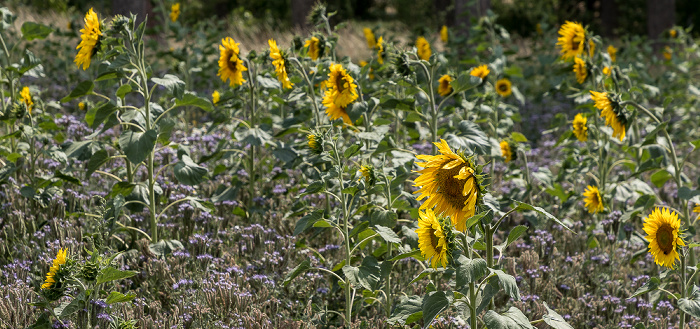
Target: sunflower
{"points": [[215, 97], [230, 65], [369, 174], [503, 87], [580, 128], [423, 47], [571, 37], [444, 87], [90, 39], [26, 98], [673, 33], [443, 34], [607, 70], [614, 117], [612, 51], [593, 200], [81, 106], [369, 35], [451, 184], [314, 47], [341, 91], [174, 12], [315, 143], [668, 53], [591, 48], [480, 71], [57, 262], [506, 151], [380, 50], [696, 208], [663, 233], [580, 70], [278, 60], [432, 240]]}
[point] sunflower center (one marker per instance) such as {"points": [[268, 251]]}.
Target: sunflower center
{"points": [[451, 188], [664, 238], [575, 43], [434, 241], [503, 87], [232, 61]]}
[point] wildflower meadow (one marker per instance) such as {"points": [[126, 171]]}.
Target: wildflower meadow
{"points": [[169, 172]]}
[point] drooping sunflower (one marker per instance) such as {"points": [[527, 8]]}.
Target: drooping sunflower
{"points": [[26, 98], [612, 51], [571, 38], [614, 117], [481, 71], [215, 97], [580, 70], [423, 47], [314, 47], [663, 233], [580, 127], [174, 12], [380, 50], [444, 34], [593, 200], [506, 151], [503, 87], [280, 63], [315, 143], [341, 91], [89, 40], [432, 239], [230, 65], [451, 184], [60, 259], [369, 36], [444, 87]]}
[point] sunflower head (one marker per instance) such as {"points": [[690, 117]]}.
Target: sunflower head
{"points": [[54, 285], [571, 40], [580, 128], [444, 34], [507, 151], [580, 70], [423, 48], [481, 71], [231, 66], [452, 184], [612, 112], [435, 238], [668, 53], [26, 98], [444, 87], [315, 143], [607, 70], [369, 36], [673, 33], [663, 233], [696, 208], [89, 40], [503, 87], [279, 60], [380, 50], [82, 106], [215, 97], [593, 200], [612, 51], [369, 174], [174, 12], [341, 91], [401, 64], [314, 47]]}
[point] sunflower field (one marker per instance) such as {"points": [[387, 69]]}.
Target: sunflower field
{"points": [[162, 173]]}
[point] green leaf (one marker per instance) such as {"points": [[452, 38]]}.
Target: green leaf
{"points": [[435, 303], [554, 320], [366, 276], [469, 137], [691, 305], [387, 234], [175, 86], [511, 319], [651, 285], [191, 99], [117, 297], [660, 177], [70, 306], [112, 274], [687, 194], [413, 253], [464, 82], [308, 221], [301, 268], [470, 270], [254, 136], [137, 145], [43, 321], [521, 206], [409, 310], [82, 89], [68, 178], [518, 137], [508, 283], [123, 90], [102, 113], [352, 150], [31, 31], [189, 173], [163, 248], [383, 217]]}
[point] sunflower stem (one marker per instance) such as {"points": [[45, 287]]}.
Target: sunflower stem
{"points": [[348, 251], [488, 235], [683, 289], [472, 288]]}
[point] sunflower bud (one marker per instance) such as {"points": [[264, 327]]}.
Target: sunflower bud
{"points": [[90, 270], [401, 66], [369, 174], [315, 143]]}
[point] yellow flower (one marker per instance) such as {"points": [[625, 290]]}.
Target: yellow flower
{"points": [[341, 91], [215, 97], [90, 38], [369, 35], [607, 70], [593, 200], [506, 152], [614, 118], [443, 34], [591, 48], [371, 75], [450, 183], [314, 46], [368, 173], [663, 233], [612, 51], [380, 50], [314, 143], [26, 97], [538, 28], [668, 53], [696, 208], [503, 87], [431, 239], [423, 47], [673, 33], [60, 260], [81, 106], [230, 65], [280, 65], [174, 12], [480, 71], [571, 37], [580, 128], [444, 87], [580, 70]]}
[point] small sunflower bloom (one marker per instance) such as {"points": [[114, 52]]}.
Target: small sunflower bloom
{"points": [[380, 50], [174, 12], [506, 151], [444, 87], [593, 200], [81, 106], [60, 259], [580, 128], [231, 67], [503, 87], [607, 70], [423, 47], [673, 33], [369, 174], [663, 233], [278, 60], [369, 36], [612, 51], [580, 70], [444, 34], [668, 53], [570, 41], [481, 71], [315, 143], [215, 97], [614, 117], [313, 46], [696, 208], [432, 240], [341, 91], [89, 40], [26, 98]]}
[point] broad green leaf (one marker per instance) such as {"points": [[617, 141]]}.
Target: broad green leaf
{"points": [[511, 319], [123, 90], [191, 99], [82, 89], [163, 248], [308, 221], [651, 285], [117, 297], [189, 173], [508, 283], [366, 276], [102, 113], [387, 234], [660, 177], [409, 310], [470, 270], [470, 138], [691, 305], [254, 136], [521, 206], [69, 307], [435, 303], [31, 31], [414, 253], [554, 320], [464, 82], [137, 145], [112, 274], [172, 83], [301, 268]]}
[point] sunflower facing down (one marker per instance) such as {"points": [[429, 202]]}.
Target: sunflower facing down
{"points": [[280, 63], [451, 184], [571, 38], [503, 87], [341, 91], [580, 70], [432, 239], [26, 98], [614, 117], [230, 65], [593, 200], [57, 262], [314, 48], [580, 128], [663, 233], [423, 48], [369, 35], [174, 12], [507, 152], [315, 143], [481, 71], [444, 87], [90, 40]]}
